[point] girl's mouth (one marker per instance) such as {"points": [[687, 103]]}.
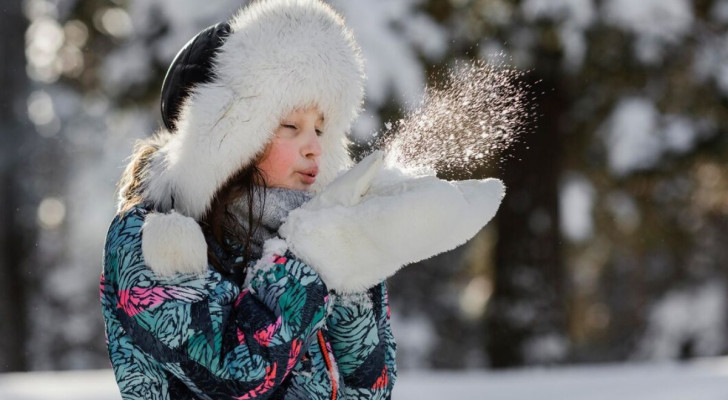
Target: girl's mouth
{"points": [[308, 177]]}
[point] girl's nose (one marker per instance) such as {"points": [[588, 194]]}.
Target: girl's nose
{"points": [[312, 148]]}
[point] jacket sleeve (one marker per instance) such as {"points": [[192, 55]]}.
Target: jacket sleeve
{"points": [[362, 342], [206, 332]]}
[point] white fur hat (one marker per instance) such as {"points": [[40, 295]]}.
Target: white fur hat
{"points": [[279, 55]]}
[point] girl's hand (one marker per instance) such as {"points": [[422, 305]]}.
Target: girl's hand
{"points": [[371, 221]]}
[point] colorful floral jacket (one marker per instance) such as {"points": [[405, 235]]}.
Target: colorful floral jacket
{"points": [[283, 336]]}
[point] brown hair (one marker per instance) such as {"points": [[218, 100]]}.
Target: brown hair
{"points": [[217, 223], [132, 183]]}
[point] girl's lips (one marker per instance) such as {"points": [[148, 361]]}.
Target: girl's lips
{"points": [[309, 176]]}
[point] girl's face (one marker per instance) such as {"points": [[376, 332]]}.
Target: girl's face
{"points": [[291, 158]]}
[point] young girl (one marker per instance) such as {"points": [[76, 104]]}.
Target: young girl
{"points": [[237, 267]]}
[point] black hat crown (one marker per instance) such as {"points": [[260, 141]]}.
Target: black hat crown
{"points": [[190, 67]]}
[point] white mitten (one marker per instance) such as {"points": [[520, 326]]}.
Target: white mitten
{"points": [[371, 221]]}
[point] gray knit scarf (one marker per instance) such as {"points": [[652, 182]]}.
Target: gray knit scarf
{"points": [[275, 208]]}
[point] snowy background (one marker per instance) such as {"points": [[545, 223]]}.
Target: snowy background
{"points": [[700, 380], [610, 246]]}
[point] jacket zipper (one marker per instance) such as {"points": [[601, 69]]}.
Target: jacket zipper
{"points": [[327, 360]]}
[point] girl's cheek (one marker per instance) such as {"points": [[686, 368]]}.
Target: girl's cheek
{"points": [[278, 165], [284, 156]]}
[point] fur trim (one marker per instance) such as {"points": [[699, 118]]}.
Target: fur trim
{"points": [[275, 247], [136, 176], [354, 300], [271, 248], [280, 55], [173, 243]]}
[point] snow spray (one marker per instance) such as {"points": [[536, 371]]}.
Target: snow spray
{"points": [[480, 110]]}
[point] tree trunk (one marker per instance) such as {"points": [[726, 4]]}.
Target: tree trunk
{"points": [[526, 316], [14, 234]]}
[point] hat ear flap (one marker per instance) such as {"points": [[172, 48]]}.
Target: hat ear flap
{"points": [[173, 243]]}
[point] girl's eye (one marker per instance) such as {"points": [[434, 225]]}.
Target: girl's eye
{"points": [[319, 132], [289, 126]]}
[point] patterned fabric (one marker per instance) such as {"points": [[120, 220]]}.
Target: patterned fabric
{"points": [[362, 342], [204, 337]]}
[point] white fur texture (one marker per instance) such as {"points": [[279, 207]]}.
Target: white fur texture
{"points": [[173, 243], [271, 248], [354, 299], [280, 55], [399, 221]]}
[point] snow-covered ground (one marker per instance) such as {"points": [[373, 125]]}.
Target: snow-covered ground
{"points": [[698, 380]]}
